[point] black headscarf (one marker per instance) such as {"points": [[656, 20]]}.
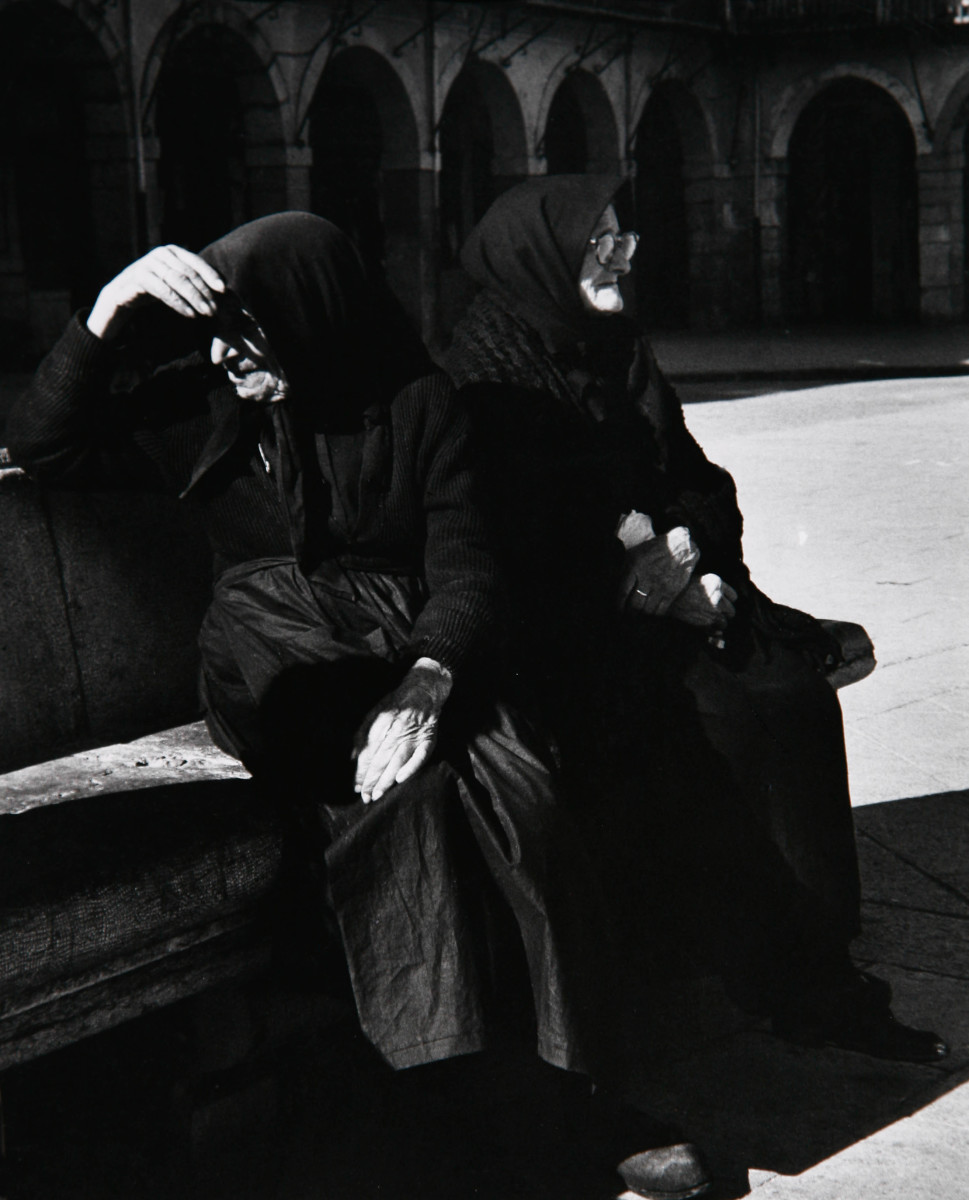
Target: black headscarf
{"points": [[341, 338], [528, 248], [344, 344]]}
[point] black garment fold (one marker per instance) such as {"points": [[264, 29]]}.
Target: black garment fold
{"points": [[291, 665]]}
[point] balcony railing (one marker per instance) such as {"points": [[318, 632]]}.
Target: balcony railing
{"points": [[780, 16]]}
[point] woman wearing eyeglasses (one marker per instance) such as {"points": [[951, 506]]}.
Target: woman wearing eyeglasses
{"points": [[698, 728]]}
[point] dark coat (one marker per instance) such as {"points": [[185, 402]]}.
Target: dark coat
{"points": [[745, 823]]}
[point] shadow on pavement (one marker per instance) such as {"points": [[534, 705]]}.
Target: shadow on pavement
{"points": [[134, 1114], [754, 1102]]}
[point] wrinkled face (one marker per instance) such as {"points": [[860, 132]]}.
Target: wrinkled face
{"points": [[598, 284], [241, 348]]}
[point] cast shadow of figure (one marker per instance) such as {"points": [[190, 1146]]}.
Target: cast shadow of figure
{"points": [[755, 1102]]}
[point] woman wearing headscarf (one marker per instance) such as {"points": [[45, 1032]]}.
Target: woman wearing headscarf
{"points": [[348, 651], [662, 670]]}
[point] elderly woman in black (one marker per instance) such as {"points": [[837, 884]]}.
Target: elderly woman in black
{"points": [[347, 654], [658, 663]]}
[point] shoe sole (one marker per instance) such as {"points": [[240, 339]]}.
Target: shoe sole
{"points": [[686, 1194]]}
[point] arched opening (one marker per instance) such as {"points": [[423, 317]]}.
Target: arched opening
{"points": [[482, 143], [65, 207], [662, 268], [580, 133], [216, 115], [365, 172], [852, 208], [482, 140]]}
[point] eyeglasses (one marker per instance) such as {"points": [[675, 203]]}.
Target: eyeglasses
{"points": [[609, 245]]}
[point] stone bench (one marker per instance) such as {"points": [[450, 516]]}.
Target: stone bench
{"points": [[133, 873]]}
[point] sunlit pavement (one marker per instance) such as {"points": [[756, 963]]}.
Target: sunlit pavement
{"points": [[856, 507]]}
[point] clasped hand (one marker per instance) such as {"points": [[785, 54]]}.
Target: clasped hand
{"points": [[657, 570], [399, 734]]}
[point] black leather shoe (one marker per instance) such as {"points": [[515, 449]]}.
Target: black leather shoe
{"points": [[654, 1160], [666, 1173], [881, 1035], [858, 1017]]}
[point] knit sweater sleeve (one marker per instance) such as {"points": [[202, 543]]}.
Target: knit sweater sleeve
{"points": [[459, 620], [67, 429]]}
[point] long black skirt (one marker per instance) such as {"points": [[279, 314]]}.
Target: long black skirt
{"points": [[730, 833], [291, 667]]}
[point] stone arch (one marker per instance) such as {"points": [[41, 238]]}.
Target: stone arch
{"points": [[580, 133], [365, 174], [191, 16], [694, 123], [483, 148], [216, 112], [482, 143], [799, 94], [852, 207], [953, 117], [66, 216], [672, 197]]}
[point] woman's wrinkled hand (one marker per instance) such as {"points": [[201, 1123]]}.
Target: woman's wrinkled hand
{"points": [[170, 274], [657, 571], [707, 602], [399, 734]]}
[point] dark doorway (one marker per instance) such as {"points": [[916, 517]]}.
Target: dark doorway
{"points": [[580, 132], [347, 142], [566, 143], [852, 209], [64, 223], [365, 175], [200, 127], [662, 265], [467, 180]]}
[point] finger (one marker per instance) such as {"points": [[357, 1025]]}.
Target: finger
{"points": [[388, 776], [420, 755], [637, 598], [371, 746], [154, 285], [187, 283], [382, 750], [196, 263], [725, 608], [728, 591]]}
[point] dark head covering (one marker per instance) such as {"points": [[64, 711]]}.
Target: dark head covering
{"points": [[527, 251], [341, 338], [344, 344]]}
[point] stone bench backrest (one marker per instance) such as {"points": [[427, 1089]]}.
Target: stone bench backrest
{"points": [[101, 597]]}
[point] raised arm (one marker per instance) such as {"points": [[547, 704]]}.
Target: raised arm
{"points": [[66, 429]]}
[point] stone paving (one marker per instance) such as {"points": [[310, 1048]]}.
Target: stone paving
{"points": [[855, 507]]}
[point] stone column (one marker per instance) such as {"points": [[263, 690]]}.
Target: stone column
{"points": [[942, 263], [773, 251]]}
